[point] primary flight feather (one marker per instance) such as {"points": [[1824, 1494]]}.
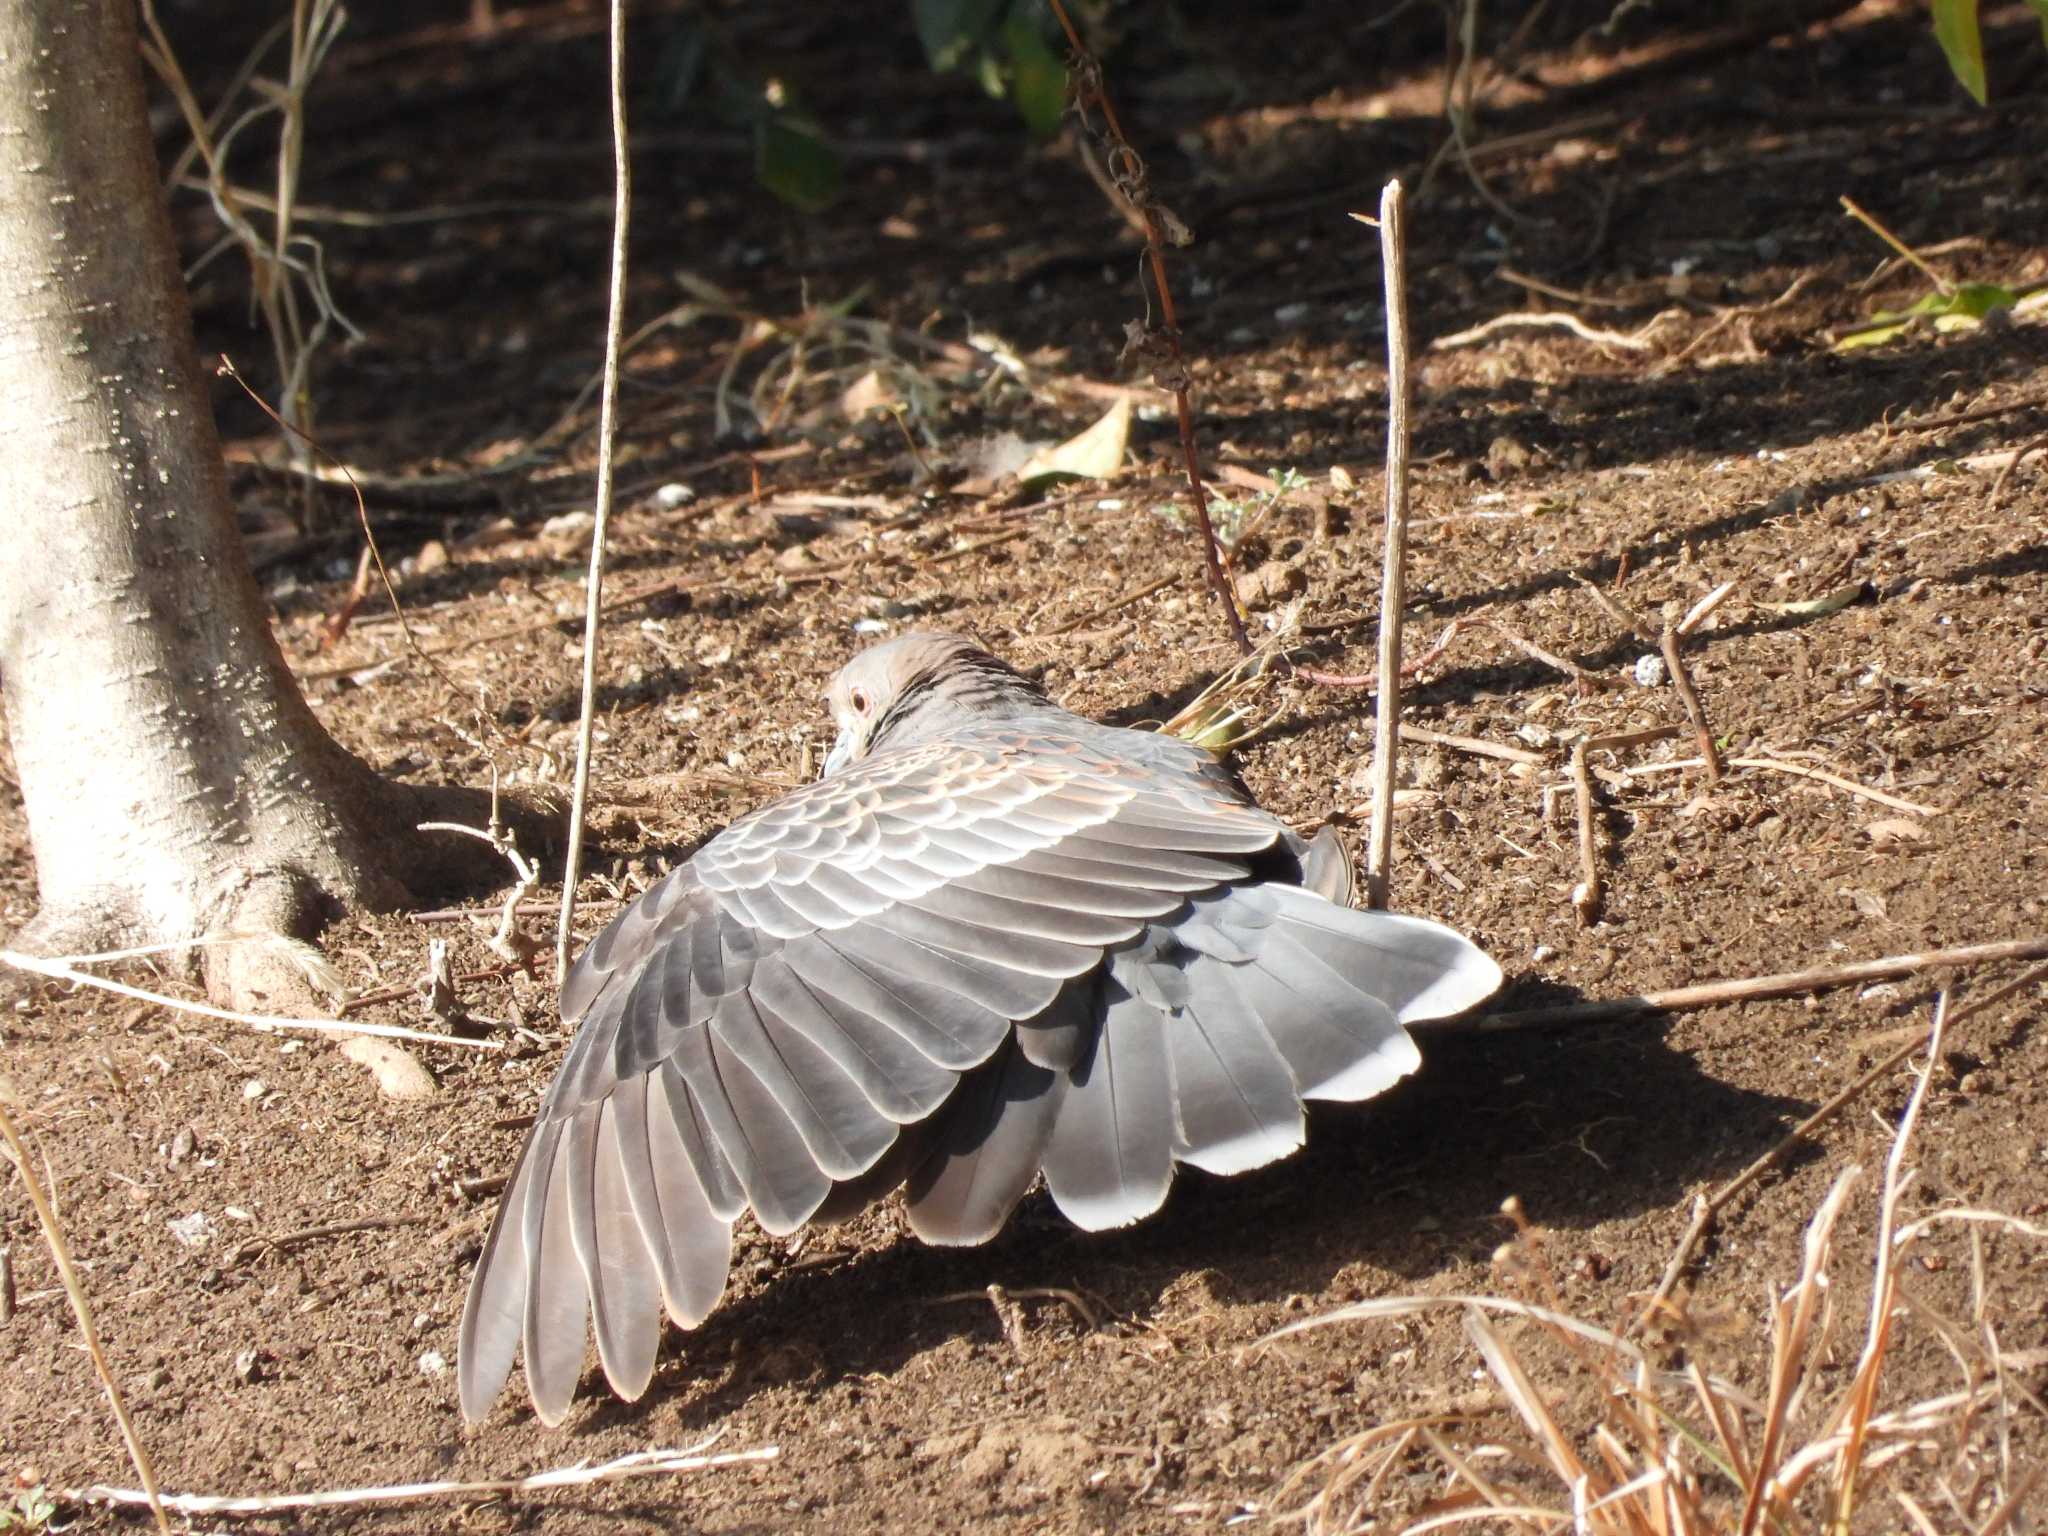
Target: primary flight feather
{"points": [[996, 940]]}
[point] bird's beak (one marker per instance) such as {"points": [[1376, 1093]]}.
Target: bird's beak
{"points": [[840, 755]]}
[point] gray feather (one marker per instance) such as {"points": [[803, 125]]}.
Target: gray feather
{"points": [[986, 1150], [1111, 1155]]}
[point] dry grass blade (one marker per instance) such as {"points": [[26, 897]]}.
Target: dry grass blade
{"points": [[1528, 1403], [1638, 1451], [1863, 1395], [1792, 1320], [1407, 1306], [60, 1255]]}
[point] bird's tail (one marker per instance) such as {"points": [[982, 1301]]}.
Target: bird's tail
{"points": [[1208, 1034]]}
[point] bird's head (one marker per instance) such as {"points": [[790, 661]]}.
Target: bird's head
{"points": [[916, 687]]}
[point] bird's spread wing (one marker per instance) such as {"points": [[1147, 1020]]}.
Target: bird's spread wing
{"points": [[759, 1026], [951, 967]]}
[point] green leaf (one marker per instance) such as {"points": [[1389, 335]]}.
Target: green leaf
{"points": [[1960, 309], [952, 30], [2040, 9], [1038, 75], [795, 163], [1955, 28]]}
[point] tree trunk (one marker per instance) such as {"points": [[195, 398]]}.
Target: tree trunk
{"points": [[176, 783]]}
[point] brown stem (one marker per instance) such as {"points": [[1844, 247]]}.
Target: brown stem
{"points": [[1127, 169], [1694, 711]]}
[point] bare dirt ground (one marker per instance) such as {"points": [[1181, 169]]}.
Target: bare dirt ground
{"points": [[1678, 195]]}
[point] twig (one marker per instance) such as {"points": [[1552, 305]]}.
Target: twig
{"points": [[255, 1245], [1535, 652], [1703, 610], [1847, 786], [2005, 474], [510, 943], [1073, 1300], [465, 978], [1586, 895], [1750, 989], [1372, 679], [1966, 418], [61, 1255], [1798, 770], [607, 435], [1619, 611], [1127, 169], [638, 1464], [1472, 744], [1547, 319], [1906, 253], [1379, 847], [1681, 679], [1666, 641], [1707, 1207], [63, 970], [1552, 291], [1616, 740], [1114, 607]]}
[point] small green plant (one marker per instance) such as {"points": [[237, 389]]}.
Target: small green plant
{"points": [[1962, 39], [1236, 519], [30, 1510], [1005, 44], [1950, 307], [792, 157]]}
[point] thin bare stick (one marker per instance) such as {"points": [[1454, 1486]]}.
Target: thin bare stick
{"points": [[61, 1256], [1379, 845], [2005, 474], [1126, 168], [1547, 320], [1681, 679], [1707, 1207], [638, 1464], [1117, 606], [510, 942], [1798, 770], [1620, 611], [1472, 744], [1750, 989], [63, 970], [1848, 786], [1587, 895], [1616, 740], [1906, 253], [1704, 608], [1535, 652], [607, 441], [1372, 679]]}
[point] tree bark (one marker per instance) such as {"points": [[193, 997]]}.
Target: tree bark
{"points": [[176, 782]]}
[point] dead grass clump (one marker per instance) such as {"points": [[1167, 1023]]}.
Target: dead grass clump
{"points": [[1609, 1437]]}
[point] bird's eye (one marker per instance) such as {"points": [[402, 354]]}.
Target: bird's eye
{"points": [[860, 701]]}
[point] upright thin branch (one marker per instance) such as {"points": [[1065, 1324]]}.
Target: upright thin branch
{"points": [[1126, 169], [1379, 851], [607, 432]]}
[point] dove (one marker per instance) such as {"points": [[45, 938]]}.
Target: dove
{"points": [[994, 942]]}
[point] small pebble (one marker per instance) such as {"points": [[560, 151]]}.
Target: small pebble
{"points": [[1649, 671]]}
